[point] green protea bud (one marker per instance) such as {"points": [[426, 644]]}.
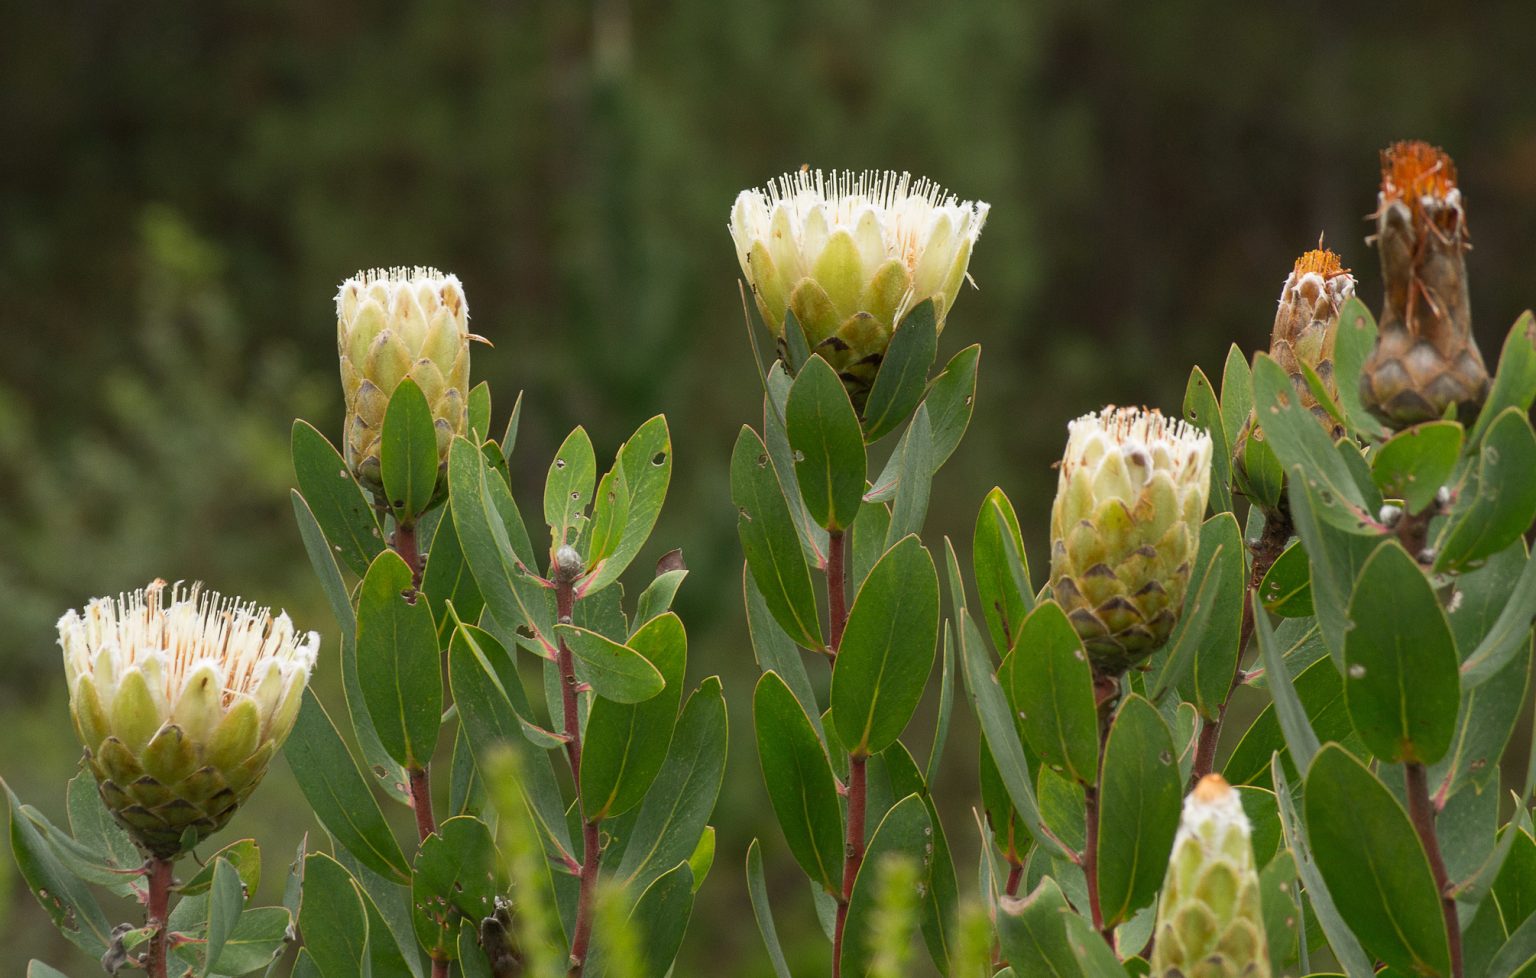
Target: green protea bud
{"points": [[1125, 527], [1425, 359], [1306, 326], [181, 697], [1209, 920], [850, 254], [392, 324]]}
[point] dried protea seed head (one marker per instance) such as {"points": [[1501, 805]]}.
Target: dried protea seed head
{"points": [[181, 697], [392, 324], [1125, 527], [1425, 360], [850, 254], [1209, 919]]}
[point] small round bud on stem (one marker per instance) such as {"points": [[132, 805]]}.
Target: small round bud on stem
{"points": [[568, 565]]}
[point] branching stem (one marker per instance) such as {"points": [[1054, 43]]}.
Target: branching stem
{"points": [[591, 837]]}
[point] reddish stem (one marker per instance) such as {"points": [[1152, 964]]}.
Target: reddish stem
{"points": [[837, 576], [158, 904], [404, 543], [421, 801], [1266, 550], [1015, 877], [853, 855], [1422, 812], [591, 855], [1106, 692]]}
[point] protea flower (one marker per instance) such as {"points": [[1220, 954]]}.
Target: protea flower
{"points": [[1425, 359], [181, 697], [850, 254], [1209, 921], [1125, 527], [1306, 326], [392, 324]]}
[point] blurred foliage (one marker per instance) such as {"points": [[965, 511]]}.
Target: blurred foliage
{"points": [[183, 186]]}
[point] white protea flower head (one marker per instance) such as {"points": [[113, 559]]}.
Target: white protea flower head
{"points": [[181, 697], [1125, 527], [850, 254], [1426, 359], [394, 323], [1209, 919]]}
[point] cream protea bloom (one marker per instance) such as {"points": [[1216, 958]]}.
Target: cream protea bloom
{"points": [[1125, 527], [850, 254], [181, 697], [392, 324], [1209, 919]]}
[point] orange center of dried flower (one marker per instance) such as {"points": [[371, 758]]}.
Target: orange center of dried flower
{"points": [[1322, 262], [1413, 170]]}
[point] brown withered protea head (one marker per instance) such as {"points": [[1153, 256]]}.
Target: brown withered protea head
{"points": [[1425, 360], [1306, 325]]}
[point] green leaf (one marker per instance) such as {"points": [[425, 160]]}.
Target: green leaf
{"points": [[1202, 410], [951, 400], [771, 542], [96, 831], [1287, 585], [773, 649], [1320, 688], [448, 579], [1334, 557], [903, 373], [408, 453], [1414, 463], [244, 856], [799, 780], [939, 915], [867, 541], [828, 445], [905, 831], [1092, 953], [568, 489], [657, 597], [1298, 439], [226, 901], [610, 511], [1341, 940], [1139, 798], [1401, 680], [66, 900], [676, 810], [914, 478], [757, 889], [1496, 502], [258, 938], [660, 919], [795, 350], [36, 969], [1033, 932], [813, 539], [1262, 477], [946, 706], [1374, 864], [509, 436], [1236, 394], [1049, 683], [625, 744], [1515, 383], [337, 793], [646, 460], [1002, 569], [1517, 954], [615, 671], [397, 662], [454, 875], [334, 922], [1210, 624], [702, 859], [888, 649], [1300, 739], [997, 726], [480, 411], [481, 506], [489, 694], [1509, 635], [1354, 338], [338, 502]]}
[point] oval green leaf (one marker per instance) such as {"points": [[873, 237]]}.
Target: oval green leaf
{"points": [[799, 780], [568, 489], [1049, 682], [397, 662], [614, 671], [1139, 798], [1416, 462], [771, 542], [903, 373], [1002, 569], [1287, 586], [338, 502], [1496, 503], [408, 463], [828, 445]]}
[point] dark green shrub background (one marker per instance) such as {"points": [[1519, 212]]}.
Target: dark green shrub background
{"points": [[183, 186]]}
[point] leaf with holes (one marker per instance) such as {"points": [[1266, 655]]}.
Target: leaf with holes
{"points": [[1414, 463], [454, 875], [568, 489], [646, 460]]}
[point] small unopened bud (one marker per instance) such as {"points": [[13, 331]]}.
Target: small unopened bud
{"points": [[1209, 918], [1125, 527], [568, 565], [1425, 360], [1389, 515]]}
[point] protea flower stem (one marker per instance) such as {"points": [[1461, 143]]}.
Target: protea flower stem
{"points": [[1106, 691], [565, 574], [157, 912], [837, 599], [858, 791], [404, 543], [1422, 813], [1266, 550]]}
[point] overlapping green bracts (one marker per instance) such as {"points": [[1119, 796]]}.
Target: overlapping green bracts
{"points": [[849, 254], [1425, 359], [392, 324], [181, 697], [1306, 326], [1125, 527], [1209, 920]]}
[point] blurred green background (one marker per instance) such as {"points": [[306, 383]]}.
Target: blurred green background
{"points": [[182, 186]]}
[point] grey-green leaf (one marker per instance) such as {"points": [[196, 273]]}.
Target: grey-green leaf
{"points": [[397, 662], [828, 445], [408, 452], [800, 782], [1139, 798], [771, 542], [1050, 684], [615, 671]]}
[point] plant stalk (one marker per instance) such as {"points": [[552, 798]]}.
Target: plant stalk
{"points": [[421, 801], [1266, 550], [853, 856], [591, 853], [837, 576], [1106, 693], [157, 913], [1422, 813]]}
